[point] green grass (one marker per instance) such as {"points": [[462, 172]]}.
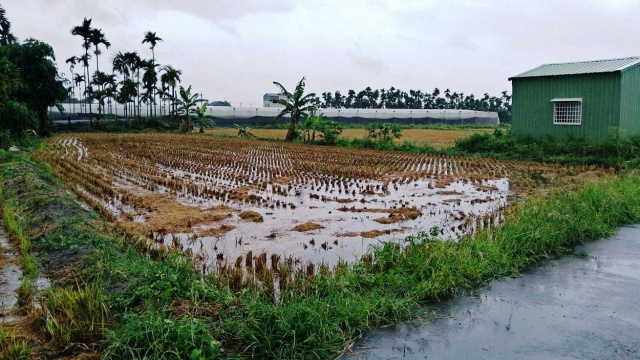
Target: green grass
{"points": [[12, 348], [156, 335], [163, 309], [16, 231], [71, 315], [613, 152]]}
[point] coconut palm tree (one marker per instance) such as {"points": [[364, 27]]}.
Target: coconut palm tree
{"points": [[296, 104], [171, 77], [84, 31], [152, 39]]}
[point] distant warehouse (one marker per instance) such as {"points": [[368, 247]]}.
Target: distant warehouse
{"points": [[587, 99]]}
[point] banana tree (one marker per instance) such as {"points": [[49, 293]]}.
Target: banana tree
{"points": [[296, 104], [204, 120], [186, 106]]}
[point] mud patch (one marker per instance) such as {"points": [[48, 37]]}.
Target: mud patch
{"points": [[308, 226], [223, 229], [376, 233], [251, 216]]}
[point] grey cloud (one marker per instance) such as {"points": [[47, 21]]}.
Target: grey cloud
{"points": [[367, 64]]}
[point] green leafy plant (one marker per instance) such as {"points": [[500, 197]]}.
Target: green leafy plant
{"points": [[186, 106], [205, 121], [384, 132]]}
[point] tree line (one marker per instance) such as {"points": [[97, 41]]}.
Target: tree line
{"points": [[140, 82], [393, 98]]}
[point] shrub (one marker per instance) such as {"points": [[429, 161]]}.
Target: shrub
{"points": [[17, 118], [329, 130], [383, 132]]}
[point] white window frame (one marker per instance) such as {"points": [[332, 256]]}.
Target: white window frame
{"points": [[567, 111]]}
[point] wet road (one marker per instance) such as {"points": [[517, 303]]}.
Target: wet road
{"points": [[573, 307]]}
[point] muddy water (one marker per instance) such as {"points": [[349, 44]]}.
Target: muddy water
{"points": [[354, 212], [345, 218], [573, 307], [10, 276]]}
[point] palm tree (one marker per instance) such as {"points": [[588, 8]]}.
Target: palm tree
{"points": [[72, 61], [171, 77], [6, 37], [152, 39], [77, 79], [84, 31], [96, 37], [131, 63], [136, 64], [101, 79], [187, 106], [149, 80], [121, 65], [297, 105], [146, 98], [127, 93], [85, 63]]}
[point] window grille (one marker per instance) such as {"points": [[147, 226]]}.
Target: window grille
{"points": [[567, 111]]}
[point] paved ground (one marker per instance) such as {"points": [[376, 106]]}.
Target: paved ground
{"points": [[573, 307]]}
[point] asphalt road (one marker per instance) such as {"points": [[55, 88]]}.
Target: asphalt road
{"points": [[584, 306]]}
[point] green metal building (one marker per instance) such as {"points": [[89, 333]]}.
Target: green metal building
{"points": [[587, 99]]}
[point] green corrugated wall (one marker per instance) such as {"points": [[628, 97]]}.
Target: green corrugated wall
{"points": [[630, 102], [532, 112]]}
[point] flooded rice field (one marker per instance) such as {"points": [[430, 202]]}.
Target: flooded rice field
{"points": [[221, 199]]}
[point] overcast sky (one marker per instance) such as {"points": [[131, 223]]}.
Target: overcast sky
{"points": [[233, 49]]}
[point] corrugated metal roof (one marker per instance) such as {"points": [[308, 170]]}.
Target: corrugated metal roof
{"points": [[582, 67]]}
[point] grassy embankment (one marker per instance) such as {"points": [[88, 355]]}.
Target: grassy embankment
{"points": [[163, 308]]}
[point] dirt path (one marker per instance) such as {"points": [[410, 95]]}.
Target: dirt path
{"points": [[578, 307]]}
